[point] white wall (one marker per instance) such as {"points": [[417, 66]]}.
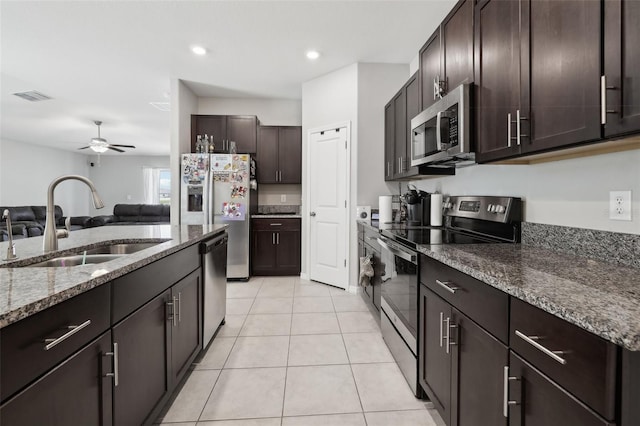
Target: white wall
{"points": [[274, 112], [184, 103], [568, 193], [377, 84], [119, 179], [27, 170], [327, 100]]}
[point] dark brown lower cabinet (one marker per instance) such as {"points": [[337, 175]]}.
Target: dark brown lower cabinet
{"points": [[461, 365], [77, 392], [537, 401], [434, 365], [275, 247], [186, 323], [143, 342]]}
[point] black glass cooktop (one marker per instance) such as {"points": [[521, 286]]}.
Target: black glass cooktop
{"points": [[412, 236]]}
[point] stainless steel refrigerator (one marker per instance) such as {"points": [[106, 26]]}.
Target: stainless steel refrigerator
{"points": [[226, 194]]}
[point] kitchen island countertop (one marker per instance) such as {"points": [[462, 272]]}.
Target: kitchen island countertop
{"points": [[599, 297], [25, 291]]}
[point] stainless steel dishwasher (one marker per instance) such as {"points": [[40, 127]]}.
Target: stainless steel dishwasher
{"points": [[214, 288]]}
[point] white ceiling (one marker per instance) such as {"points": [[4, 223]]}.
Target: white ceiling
{"points": [[107, 60]]}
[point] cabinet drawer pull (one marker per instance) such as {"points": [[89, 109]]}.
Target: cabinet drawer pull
{"points": [[73, 329], [532, 341], [505, 402], [179, 306], [275, 224], [447, 286], [116, 366]]}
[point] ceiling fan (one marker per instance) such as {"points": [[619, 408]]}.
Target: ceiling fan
{"points": [[101, 145]]}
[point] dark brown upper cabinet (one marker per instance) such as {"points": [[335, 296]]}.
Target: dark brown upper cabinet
{"points": [[446, 59], [398, 114], [621, 67], [538, 76], [242, 129], [497, 44], [560, 72], [279, 157]]}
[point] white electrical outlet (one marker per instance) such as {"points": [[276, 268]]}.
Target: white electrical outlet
{"points": [[283, 198], [620, 205]]}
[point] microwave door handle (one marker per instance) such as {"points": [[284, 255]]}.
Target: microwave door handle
{"points": [[438, 131]]}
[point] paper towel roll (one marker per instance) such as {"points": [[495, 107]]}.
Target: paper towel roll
{"points": [[436, 209], [384, 208]]}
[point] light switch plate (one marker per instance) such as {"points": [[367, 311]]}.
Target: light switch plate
{"points": [[283, 198], [620, 205]]}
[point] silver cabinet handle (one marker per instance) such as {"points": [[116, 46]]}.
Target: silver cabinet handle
{"points": [[447, 286], [277, 238], [275, 224], [518, 133], [312, 214], [603, 95], [447, 337], [280, 175], [73, 329], [603, 99], [555, 355], [388, 168], [505, 401], [276, 175], [116, 366], [509, 130], [173, 318], [179, 306], [273, 238], [441, 333]]}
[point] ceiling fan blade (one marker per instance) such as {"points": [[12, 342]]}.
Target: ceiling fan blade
{"points": [[123, 146], [115, 149], [85, 147]]}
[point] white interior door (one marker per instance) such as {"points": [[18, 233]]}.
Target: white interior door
{"points": [[328, 185]]}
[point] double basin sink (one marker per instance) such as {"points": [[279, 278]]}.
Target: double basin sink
{"points": [[94, 255]]}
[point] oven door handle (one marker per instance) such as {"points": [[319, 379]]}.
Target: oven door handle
{"points": [[401, 254]]}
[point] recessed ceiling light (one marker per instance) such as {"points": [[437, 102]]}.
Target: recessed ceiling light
{"points": [[199, 50], [313, 54]]}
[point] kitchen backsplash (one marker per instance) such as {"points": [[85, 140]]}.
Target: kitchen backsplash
{"points": [[275, 209], [613, 247]]}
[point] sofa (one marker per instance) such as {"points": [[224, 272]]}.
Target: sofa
{"points": [[135, 214], [31, 220]]}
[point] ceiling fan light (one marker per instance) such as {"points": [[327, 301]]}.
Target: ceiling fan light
{"points": [[99, 148]]}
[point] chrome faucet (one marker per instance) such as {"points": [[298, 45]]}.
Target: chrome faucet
{"points": [[11, 250], [51, 235]]}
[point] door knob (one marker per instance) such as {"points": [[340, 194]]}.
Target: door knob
{"points": [[312, 214]]}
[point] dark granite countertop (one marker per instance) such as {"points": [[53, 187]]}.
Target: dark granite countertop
{"points": [[25, 291], [597, 296]]}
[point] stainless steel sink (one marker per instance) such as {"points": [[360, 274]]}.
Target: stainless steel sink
{"points": [[120, 249], [100, 254], [76, 260]]}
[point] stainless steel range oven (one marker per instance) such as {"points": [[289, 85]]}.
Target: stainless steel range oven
{"points": [[399, 306], [469, 220]]}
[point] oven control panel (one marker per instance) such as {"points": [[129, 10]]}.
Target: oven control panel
{"points": [[494, 209]]}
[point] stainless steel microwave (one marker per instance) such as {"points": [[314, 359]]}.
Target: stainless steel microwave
{"points": [[440, 135]]}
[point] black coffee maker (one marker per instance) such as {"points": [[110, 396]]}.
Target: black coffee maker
{"points": [[418, 206]]}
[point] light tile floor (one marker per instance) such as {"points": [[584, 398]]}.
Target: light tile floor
{"points": [[297, 353]]}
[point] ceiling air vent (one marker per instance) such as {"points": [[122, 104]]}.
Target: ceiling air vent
{"points": [[32, 96]]}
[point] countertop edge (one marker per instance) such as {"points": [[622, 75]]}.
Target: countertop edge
{"points": [[32, 308]]}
